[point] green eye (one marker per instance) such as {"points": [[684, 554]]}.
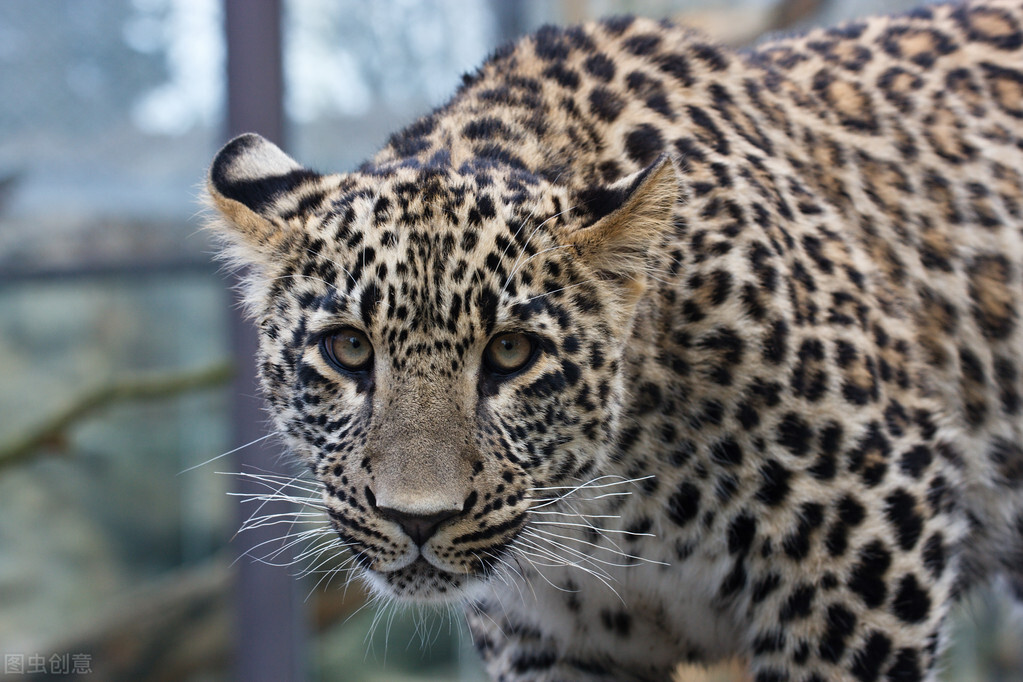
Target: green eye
{"points": [[348, 349], [508, 353]]}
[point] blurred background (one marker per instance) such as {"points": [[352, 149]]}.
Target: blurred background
{"points": [[125, 367]]}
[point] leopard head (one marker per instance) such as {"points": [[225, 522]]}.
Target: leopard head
{"points": [[438, 342]]}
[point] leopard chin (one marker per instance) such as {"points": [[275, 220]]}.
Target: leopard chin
{"points": [[422, 582]]}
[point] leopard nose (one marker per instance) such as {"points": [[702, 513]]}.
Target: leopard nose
{"points": [[418, 527]]}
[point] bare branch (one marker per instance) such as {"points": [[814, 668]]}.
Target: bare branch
{"points": [[153, 387]]}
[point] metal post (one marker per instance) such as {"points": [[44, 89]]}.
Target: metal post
{"points": [[270, 624]]}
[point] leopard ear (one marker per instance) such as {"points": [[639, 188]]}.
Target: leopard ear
{"points": [[631, 219], [256, 187]]}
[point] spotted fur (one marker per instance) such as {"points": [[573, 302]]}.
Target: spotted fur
{"points": [[774, 408]]}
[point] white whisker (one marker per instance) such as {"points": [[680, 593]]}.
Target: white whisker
{"points": [[576, 514], [229, 452], [612, 550]]}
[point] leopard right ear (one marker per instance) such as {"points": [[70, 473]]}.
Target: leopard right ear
{"points": [[257, 189], [630, 221]]}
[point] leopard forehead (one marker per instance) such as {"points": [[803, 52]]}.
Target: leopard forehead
{"points": [[432, 261]]}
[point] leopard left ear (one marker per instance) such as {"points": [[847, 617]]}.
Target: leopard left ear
{"points": [[632, 218], [256, 187]]}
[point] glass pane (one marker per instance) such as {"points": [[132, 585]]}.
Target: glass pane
{"points": [[117, 109], [96, 509], [113, 340], [357, 71]]}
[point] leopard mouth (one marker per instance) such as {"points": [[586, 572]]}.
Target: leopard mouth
{"points": [[421, 581], [451, 567]]}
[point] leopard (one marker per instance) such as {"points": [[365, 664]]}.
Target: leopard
{"points": [[643, 350]]}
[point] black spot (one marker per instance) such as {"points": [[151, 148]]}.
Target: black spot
{"points": [[914, 461], [934, 555], [684, 504], [600, 66], [857, 394], [764, 587], [799, 603], [734, 581], [643, 44], [368, 303], [644, 144], [867, 662], [774, 487], [1008, 460], [711, 56], [871, 455], [768, 642], [974, 380], [1006, 376], [617, 622], [571, 372], [801, 654], [795, 433], [618, 25], [639, 527], [809, 379], [486, 303], [469, 240], [712, 133], [721, 287], [566, 78], [677, 66], [850, 31], [776, 342], [912, 604], [850, 514], [906, 667], [893, 38], [682, 453], [747, 415], [531, 660], [726, 453], [725, 488], [412, 140], [605, 104], [550, 44], [487, 128], [900, 510], [741, 531], [797, 545], [825, 468], [867, 577], [936, 491], [839, 626]]}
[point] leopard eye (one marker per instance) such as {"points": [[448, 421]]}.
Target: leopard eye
{"points": [[348, 349], [509, 353]]}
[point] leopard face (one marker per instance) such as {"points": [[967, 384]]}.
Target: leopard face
{"points": [[438, 348]]}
